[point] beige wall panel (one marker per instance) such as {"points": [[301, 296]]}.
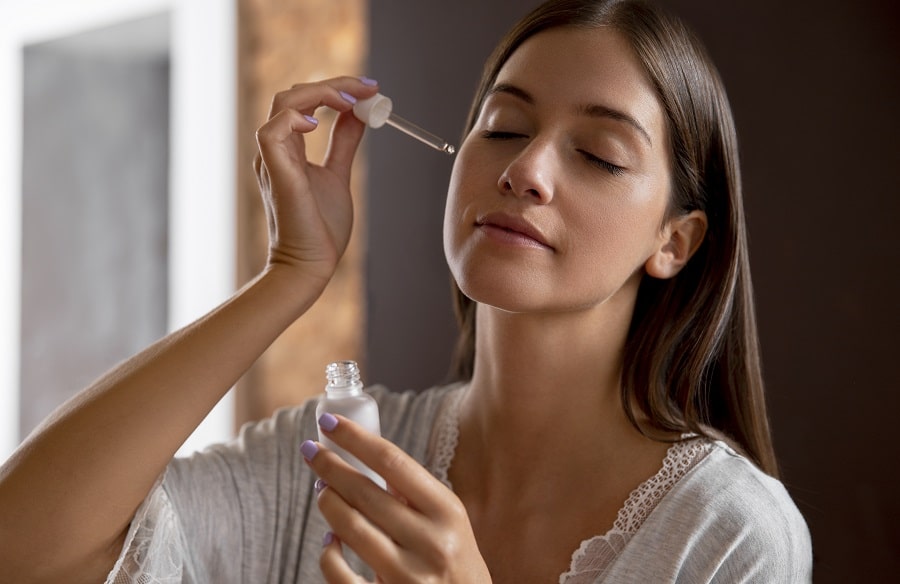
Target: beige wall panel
{"points": [[281, 43]]}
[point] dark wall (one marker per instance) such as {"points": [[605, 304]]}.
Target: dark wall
{"points": [[427, 56], [814, 91]]}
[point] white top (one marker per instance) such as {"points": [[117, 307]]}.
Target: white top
{"points": [[245, 511]]}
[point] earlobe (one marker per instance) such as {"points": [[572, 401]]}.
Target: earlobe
{"points": [[681, 238]]}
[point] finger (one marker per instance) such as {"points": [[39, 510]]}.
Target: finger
{"points": [[350, 496], [284, 125], [280, 140], [339, 93], [345, 138], [262, 174], [332, 563], [371, 544], [410, 479], [392, 556], [340, 482]]}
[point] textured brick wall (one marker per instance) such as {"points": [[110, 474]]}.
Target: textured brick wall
{"points": [[279, 44]]}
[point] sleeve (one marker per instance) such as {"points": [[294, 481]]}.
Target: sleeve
{"points": [[748, 528], [245, 511], [769, 541], [725, 522], [236, 512]]}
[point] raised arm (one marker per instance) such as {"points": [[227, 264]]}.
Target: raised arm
{"points": [[68, 494]]}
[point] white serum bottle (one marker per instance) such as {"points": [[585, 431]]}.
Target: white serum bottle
{"points": [[344, 395]]}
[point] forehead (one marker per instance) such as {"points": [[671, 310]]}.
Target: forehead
{"points": [[571, 67]]}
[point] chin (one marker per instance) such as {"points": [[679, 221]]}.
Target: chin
{"points": [[508, 293]]}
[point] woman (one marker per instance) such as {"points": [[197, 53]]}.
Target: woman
{"points": [[609, 425]]}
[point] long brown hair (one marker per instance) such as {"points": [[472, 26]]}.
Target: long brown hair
{"points": [[691, 360]]}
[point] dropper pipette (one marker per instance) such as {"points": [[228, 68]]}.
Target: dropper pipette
{"points": [[377, 111]]}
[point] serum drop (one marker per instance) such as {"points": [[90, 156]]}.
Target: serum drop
{"points": [[344, 395]]}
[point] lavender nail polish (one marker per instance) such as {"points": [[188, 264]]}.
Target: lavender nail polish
{"points": [[328, 422], [327, 538], [311, 119], [320, 485], [367, 81], [347, 97], [309, 449]]}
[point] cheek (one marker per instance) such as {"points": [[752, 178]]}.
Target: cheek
{"points": [[456, 182], [453, 209], [463, 187], [603, 253], [619, 232], [450, 222]]}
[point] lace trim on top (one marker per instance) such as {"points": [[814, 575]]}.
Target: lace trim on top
{"points": [[153, 552], [445, 437], [591, 560]]}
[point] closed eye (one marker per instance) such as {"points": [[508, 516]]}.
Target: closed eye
{"points": [[609, 167], [498, 135], [613, 169]]}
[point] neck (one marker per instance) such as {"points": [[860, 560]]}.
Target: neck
{"points": [[542, 381]]}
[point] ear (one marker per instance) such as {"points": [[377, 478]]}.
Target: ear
{"points": [[681, 237]]}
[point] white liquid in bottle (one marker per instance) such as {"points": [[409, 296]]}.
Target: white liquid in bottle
{"points": [[344, 395]]}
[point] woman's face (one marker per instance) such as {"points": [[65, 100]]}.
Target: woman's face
{"points": [[558, 193]]}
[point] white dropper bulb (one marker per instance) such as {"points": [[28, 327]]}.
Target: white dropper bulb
{"points": [[374, 111], [377, 111]]}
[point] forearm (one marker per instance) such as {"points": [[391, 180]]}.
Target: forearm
{"points": [[73, 486], [68, 494]]}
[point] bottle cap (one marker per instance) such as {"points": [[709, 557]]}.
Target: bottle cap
{"points": [[374, 111]]}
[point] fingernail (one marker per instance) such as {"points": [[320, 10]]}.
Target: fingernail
{"points": [[309, 449], [347, 97], [327, 538], [311, 119], [328, 422], [367, 81], [320, 485]]}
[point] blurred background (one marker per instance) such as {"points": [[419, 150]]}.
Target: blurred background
{"points": [[128, 207]]}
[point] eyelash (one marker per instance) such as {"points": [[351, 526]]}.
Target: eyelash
{"points": [[494, 135], [611, 168]]}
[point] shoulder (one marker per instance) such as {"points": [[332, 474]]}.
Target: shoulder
{"points": [[738, 524], [728, 485]]}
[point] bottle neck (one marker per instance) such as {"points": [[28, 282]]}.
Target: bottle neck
{"points": [[343, 379]]}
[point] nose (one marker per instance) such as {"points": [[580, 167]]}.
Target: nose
{"points": [[530, 173]]}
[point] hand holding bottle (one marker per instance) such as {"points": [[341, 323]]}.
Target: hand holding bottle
{"points": [[418, 531], [344, 395], [308, 206]]}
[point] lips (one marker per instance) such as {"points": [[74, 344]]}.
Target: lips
{"points": [[513, 227]]}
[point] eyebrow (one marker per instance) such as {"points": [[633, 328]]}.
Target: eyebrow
{"points": [[590, 110]]}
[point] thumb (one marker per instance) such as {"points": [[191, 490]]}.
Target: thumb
{"points": [[345, 138]]}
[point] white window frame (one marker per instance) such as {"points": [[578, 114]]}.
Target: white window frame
{"points": [[202, 174]]}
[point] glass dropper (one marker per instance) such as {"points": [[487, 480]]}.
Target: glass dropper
{"points": [[377, 111]]}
